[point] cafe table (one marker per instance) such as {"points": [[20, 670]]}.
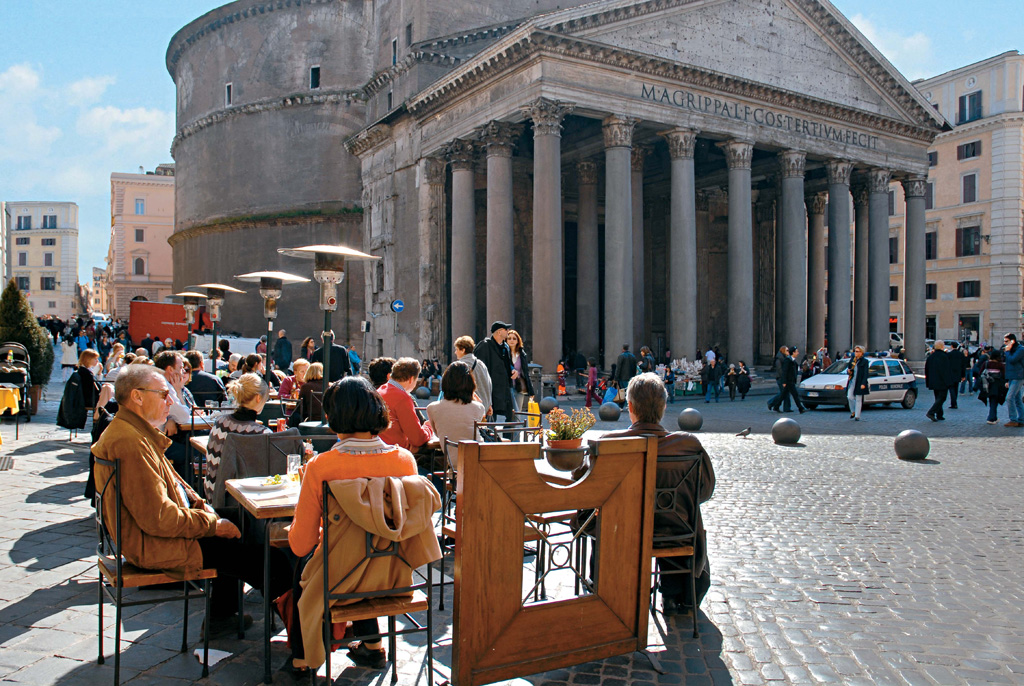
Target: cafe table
{"points": [[264, 505]]}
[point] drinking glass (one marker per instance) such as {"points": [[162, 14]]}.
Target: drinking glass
{"points": [[294, 462]]}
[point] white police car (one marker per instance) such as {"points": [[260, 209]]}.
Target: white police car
{"points": [[889, 381]]}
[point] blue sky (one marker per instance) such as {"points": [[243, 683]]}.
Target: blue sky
{"points": [[84, 91]]}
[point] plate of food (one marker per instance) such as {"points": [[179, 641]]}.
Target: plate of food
{"points": [[266, 483]]}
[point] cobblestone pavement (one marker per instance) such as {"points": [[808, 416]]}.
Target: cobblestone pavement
{"points": [[832, 562]]}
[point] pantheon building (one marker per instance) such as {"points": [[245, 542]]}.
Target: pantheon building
{"points": [[676, 173]]}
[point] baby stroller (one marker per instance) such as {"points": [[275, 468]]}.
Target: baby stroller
{"points": [[14, 373]]}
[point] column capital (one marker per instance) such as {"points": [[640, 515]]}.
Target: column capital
{"points": [[738, 153], [461, 154], [618, 131], [793, 163], [816, 203], [915, 186], [499, 138], [681, 143], [878, 180], [547, 116], [636, 157], [586, 173], [839, 172], [433, 169], [861, 193]]}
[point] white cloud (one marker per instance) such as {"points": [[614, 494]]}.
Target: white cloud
{"points": [[19, 79], [89, 90], [22, 137], [135, 129], [912, 53]]}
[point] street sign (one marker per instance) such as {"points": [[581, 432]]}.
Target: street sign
{"points": [[397, 306]]}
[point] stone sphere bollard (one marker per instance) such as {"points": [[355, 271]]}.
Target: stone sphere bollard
{"points": [[547, 404], [422, 392], [609, 412], [912, 445], [786, 431], [690, 420]]}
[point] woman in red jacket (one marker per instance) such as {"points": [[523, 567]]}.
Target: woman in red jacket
{"points": [[405, 429]]}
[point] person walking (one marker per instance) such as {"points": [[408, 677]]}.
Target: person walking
{"points": [[743, 380], [780, 398], [521, 370], [709, 376], [992, 385], [857, 385], [956, 369], [790, 373], [1013, 358], [730, 381], [592, 381], [937, 378], [282, 351]]}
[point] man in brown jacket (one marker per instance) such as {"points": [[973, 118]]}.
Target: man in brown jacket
{"points": [[165, 525], [646, 398]]}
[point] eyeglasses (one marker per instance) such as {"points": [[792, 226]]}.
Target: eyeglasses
{"points": [[164, 393]]}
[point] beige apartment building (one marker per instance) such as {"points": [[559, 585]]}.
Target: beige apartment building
{"points": [[98, 291], [139, 260], [974, 206], [42, 254]]}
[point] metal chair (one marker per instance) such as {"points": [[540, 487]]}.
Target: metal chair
{"points": [[115, 575], [390, 603], [675, 526]]}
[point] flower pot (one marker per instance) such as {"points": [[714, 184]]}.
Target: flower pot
{"points": [[565, 456], [34, 393]]}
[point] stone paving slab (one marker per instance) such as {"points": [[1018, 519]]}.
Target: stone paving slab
{"points": [[832, 562]]}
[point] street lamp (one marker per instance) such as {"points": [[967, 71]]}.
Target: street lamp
{"points": [[271, 284], [329, 271], [214, 299], [191, 302]]}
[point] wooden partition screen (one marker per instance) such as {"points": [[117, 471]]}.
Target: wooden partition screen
{"points": [[497, 634]]}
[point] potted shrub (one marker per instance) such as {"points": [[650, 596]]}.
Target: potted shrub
{"points": [[564, 437], [18, 324]]}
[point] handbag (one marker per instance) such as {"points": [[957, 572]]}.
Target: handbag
{"points": [[620, 397]]}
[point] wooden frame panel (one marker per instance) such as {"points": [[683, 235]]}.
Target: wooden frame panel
{"points": [[495, 636]]}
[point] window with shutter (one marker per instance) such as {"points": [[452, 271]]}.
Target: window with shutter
{"points": [[970, 188]]}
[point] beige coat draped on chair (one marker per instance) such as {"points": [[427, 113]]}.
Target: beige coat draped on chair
{"points": [[391, 509]]}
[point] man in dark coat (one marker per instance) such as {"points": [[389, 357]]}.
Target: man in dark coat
{"points": [[147, 343], [340, 365], [939, 374], [204, 385], [790, 374], [283, 351], [625, 366], [494, 353], [646, 397]]}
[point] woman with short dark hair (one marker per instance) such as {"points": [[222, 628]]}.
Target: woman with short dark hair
{"points": [[454, 416], [357, 413]]}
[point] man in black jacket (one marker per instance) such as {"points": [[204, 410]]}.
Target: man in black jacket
{"points": [[494, 353], [204, 385], [939, 376], [790, 374], [340, 364], [781, 398], [625, 367]]}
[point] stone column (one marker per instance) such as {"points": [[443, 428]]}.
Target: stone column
{"points": [[463, 273], [682, 245], [738, 156], [639, 284], [915, 305], [618, 236], [431, 272], [878, 260], [780, 259], [498, 138], [839, 295], [815, 271], [548, 274], [588, 298], [793, 261], [860, 264]]}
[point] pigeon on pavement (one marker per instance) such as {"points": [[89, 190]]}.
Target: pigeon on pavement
{"points": [[744, 433]]}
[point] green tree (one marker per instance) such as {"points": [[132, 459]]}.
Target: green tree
{"points": [[19, 325]]}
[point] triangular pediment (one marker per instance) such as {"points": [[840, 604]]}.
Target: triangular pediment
{"points": [[800, 46]]}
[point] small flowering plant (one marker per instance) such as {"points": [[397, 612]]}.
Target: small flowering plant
{"points": [[565, 427]]}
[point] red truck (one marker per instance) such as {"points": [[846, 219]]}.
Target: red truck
{"points": [[158, 320]]}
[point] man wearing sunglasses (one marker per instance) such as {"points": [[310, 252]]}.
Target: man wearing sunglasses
{"points": [[165, 525]]}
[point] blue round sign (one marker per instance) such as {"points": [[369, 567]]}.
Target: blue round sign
{"points": [[397, 306]]}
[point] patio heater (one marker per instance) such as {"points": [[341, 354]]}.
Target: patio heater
{"points": [[214, 299], [271, 284], [328, 271], [191, 302]]}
